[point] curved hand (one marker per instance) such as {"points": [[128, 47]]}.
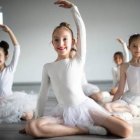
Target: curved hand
{"points": [[120, 41], [4, 27], [11, 34], [64, 3]]}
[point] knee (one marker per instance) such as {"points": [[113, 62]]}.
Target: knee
{"points": [[127, 131]]}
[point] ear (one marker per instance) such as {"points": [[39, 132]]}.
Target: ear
{"points": [[128, 47], [73, 42]]}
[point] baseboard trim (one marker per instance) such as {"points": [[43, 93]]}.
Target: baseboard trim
{"points": [[39, 83]]}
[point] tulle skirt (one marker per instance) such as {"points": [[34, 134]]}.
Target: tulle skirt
{"points": [[78, 115], [13, 106], [131, 98]]}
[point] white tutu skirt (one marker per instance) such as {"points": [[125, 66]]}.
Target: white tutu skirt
{"points": [[132, 106], [78, 115], [13, 106], [131, 98], [90, 89]]}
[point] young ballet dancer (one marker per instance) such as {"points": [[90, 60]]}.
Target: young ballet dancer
{"points": [[129, 101], [75, 113], [13, 105], [119, 58]]}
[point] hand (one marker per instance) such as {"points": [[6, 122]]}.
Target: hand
{"points": [[4, 28], [64, 3], [113, 90], [120, 40]]}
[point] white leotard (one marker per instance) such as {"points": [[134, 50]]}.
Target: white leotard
{"points": [[133, 79], [116, 69], [132, 96], [7, 75], [13, 104], [65, 75]]}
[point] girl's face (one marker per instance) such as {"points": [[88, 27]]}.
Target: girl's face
{"points": [[62, 42], [135, 48], [118, 59], [2, 57]]}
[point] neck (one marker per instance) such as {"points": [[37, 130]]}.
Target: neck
{"points": [[62, 57], [135, 60]]}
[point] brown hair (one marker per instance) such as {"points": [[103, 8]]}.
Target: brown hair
{"points": [[118, 53], [64, 25], [133, 38], [5, 46]]}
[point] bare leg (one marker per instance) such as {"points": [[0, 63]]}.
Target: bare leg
{"points": [[97, 97], [117, 107], [44, 127], [113, 124]]}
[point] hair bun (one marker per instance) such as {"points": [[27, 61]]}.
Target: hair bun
{"points": [[65, 24], [4, 44]]}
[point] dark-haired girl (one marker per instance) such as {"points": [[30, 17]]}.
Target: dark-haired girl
{"points": [[13, 105], [119, 58]]}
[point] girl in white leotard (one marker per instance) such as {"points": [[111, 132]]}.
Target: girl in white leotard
{"points": [[75, 112], [129, 101], [119, 58], [13, 105]]}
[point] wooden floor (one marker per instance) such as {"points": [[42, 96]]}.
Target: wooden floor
{"points": [[11, 131]]}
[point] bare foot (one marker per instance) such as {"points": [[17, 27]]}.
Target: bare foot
{"points": [[27, 116], [22, 131]]}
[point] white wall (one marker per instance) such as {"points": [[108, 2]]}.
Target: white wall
{"points": [[34, 20]]}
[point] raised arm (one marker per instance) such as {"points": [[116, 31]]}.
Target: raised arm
{"points": [[16, 45], [81, 31], [41, 103], [10, 33], [125, 49]]}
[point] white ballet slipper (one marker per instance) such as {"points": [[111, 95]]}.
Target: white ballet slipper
{"points": [[134, 110], [106, 96], [98, 130]]}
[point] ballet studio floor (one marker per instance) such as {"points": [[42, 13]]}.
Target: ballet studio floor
{"points": [[11, 131]]}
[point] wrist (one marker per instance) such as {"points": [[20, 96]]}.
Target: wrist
{"points": [[73, 5]]}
